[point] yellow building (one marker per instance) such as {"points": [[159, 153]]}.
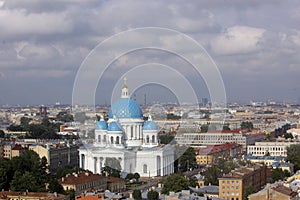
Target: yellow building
{"points": [[233, 185], [57, 155]]}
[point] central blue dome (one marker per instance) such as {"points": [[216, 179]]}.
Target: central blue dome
{"points": [[125, 108]]}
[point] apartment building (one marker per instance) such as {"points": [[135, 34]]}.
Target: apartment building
{"points": [[57, 155], [233, 185], [207, 155]]}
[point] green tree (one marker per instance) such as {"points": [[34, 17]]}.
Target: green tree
{"points": [[110, 172], [187, 159], [137, 195], [24, 181], [293, 153], [54, 186], [25, 121], [136, 176], [152, 195], [211, 175], [165, 138], [175, 183], [2, 134], [129, 176], [6, 173], [249, 190], [288, 135], [204, 128], [226, 127], [278, 174], [247, 125]]}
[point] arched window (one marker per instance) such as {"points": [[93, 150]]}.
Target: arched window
{"points": [[99, 138], [117, 140], [147, 139], [131, 129], [104, 138], [153, 139], [111, 139], [145, 168]]}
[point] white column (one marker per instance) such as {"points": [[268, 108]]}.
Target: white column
{"points": [[80, 160]]}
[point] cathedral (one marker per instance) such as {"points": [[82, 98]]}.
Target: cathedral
{"points": [[129, 140]]}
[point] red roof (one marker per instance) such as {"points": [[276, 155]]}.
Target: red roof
{"points": [[80, 178], [211, 149]]}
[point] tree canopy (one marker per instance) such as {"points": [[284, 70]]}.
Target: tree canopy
{"points": [[137, 195], [187, 159], [175, 183], [152, 195], [247, 125], [293, 153]]}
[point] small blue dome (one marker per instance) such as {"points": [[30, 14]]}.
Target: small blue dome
{"points": [[114, 126], [125, 108], [150, 125], [101, 125]]}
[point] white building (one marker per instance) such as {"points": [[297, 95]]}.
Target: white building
{"points": [[128, 140], [218, 137], [272, 148]]}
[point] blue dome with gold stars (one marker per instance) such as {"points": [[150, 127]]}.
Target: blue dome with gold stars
{"points": [[125, 108], [150, 125]]}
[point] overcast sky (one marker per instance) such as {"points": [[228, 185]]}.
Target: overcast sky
{"points": [[255, 44]]}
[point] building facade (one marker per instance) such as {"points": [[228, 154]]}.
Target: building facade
{"points": [[83, 182], [57, 155], [234, 184], [218, 137], [129, 141], [278, 148]]}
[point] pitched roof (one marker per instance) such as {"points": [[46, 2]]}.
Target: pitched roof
{"points": [[284, 190], [80, 178]]}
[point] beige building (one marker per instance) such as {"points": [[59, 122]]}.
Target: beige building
{"points": [[83, 181], [57, 155], [233, 185], [275, 192]]}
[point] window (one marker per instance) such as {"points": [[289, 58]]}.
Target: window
{"points": [[145, 168], [118, 140], [111, 139], [147, 139], [153, 139], [99, 138]]}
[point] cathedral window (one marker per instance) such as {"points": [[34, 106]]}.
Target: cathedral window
{"points": [[118, 140], [104, 138], [131, 132], [145, 168], [147, 139], [153, 139], [99, 138], [111, 139]]}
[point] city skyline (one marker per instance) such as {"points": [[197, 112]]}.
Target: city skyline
{"points": [[254, 44]]}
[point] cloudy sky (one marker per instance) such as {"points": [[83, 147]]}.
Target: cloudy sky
{"points": [[255, 44]]}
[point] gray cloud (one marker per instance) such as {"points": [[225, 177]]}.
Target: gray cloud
{"points": [[254, 43]]}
